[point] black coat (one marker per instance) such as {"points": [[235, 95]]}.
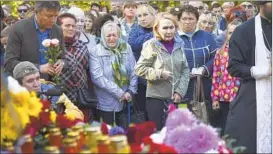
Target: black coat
{"points": [[242, 117], [23, 44]]}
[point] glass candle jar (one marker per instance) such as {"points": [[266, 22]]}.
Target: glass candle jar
{"points": [[28, 146], [55, 137]]}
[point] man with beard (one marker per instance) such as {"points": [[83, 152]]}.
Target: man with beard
{"points": [[250, 47]]}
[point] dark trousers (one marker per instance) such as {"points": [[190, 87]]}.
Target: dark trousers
{"points": [[140, 98], [224, 108], [111, 117], [157, 111]]}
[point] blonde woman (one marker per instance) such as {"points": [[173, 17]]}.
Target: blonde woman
{"points": [[139, 34], [164, 65]]}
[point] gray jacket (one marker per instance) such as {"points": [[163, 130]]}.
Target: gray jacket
{"points": [[154, 59]]}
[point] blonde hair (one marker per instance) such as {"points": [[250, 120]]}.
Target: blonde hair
{"points": [[148, 7], [160, 16]]}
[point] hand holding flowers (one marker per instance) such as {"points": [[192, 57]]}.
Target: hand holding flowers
{"points": [[54, 65]]}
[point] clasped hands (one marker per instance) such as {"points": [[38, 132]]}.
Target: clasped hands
{"points": [[126, 97], [54, 69]]}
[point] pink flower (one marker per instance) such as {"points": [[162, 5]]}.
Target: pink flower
{"points": [[46, 43], [55, 42], [198, 139], [204, 138], [171, 108], [180, 117], [180, 139]]}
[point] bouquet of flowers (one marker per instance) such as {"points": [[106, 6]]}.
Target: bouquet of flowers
{"points": [[187, 135], [52, 53]]}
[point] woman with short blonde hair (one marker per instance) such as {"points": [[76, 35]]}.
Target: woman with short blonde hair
{"points": [[160, 16], [164, 65]]}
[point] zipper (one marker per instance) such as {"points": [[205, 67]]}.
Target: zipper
{"points": [[193, 54]]}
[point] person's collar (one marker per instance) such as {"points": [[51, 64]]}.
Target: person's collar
{"points": [[181, 33]]}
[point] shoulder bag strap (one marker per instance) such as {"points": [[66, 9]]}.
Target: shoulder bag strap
{"points": [[201, 89]]}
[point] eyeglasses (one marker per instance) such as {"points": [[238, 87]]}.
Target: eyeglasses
{"points": [[239, 13], [247, 6], [22, 10], [199, 8]]}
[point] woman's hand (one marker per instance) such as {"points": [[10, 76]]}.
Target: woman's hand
{"points": [[166, 74], [215, 105], [126, 97], [176, 98]]}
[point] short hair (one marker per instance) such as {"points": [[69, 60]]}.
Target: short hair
{"points": [[39, 5], [236, 13], [176, 11], [208, 16], [215, 5], [117, 13], [128, 4], [65, 15], [189, 9], [95, 4], [160, 16]]}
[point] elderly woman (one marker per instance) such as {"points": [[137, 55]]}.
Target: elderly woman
{"points": [[207, 22], [76, 76], [112, 72], [164, 65], [139, 34]]}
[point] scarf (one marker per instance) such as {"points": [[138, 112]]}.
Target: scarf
{"points": [[120, 73]]}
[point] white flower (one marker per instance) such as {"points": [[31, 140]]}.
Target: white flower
{"points": [[46, 43], [55, 42], [14, 86]]}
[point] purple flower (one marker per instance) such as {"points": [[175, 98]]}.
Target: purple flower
{"points": [[116, 131], [205, 138], [180, 117], [198, 139], [180, 139]]}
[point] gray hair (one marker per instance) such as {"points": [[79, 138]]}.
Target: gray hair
{"points": [[39, 5]]}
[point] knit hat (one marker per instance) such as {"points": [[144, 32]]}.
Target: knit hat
{"points": [[23, 69]]}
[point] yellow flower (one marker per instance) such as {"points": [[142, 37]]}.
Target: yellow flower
{"points": [[70, 116], [52, 116]]}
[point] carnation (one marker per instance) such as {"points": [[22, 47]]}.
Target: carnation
{"points": [[180, 117]]}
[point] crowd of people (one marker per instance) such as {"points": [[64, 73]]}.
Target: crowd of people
{"points": [[135, 53]]}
